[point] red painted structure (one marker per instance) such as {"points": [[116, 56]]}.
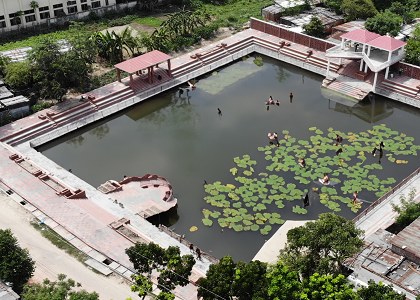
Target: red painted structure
{"points": [[148, 61]]}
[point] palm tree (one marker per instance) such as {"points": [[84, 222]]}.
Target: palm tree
{"points": [[34, 5], [18, 18]]}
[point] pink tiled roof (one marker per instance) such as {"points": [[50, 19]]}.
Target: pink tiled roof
{"points": [[386, 43], [142, 62], [360, 35]]}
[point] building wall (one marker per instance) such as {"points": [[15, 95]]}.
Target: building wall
{"points": [[51, 11]]}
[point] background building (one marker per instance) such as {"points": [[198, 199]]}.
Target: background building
{"points": [[17, 14]]}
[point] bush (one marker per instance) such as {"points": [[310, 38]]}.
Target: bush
{"points": [[40, 106], [18, 75], [206, 32], [408, 211]]}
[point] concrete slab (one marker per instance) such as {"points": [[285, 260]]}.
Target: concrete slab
{"points": [[98, 266]]}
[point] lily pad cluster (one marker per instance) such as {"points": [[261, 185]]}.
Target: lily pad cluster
{"points": [[249, 204]]}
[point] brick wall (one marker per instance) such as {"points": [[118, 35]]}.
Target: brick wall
{"points": [[410, 70], [294, 37]]}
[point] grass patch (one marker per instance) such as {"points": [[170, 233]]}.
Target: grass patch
{"points": [[149, 21], [58, 241]]}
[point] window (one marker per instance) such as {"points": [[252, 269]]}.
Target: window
{"points": [[85, 7], [59, 13], [57, 5], [15, 19], [44, 12], [2, 22], [28, 12], [72, 9], [70, 3], [96, 4], [30, 18]]}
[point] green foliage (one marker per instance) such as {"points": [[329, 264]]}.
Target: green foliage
{"points": [[241, 280], [165, 296], [16, 266], [327, 286], [321, 246], [4, 61], [384, 22], [334, 5], [404, 11], [408, 211], [111, 46], [358, 9], [40, 106], [173, 268], [379, 291], [314, 27], [283, 284], [57, 290], [142, 285], [18, 75], [412, 49]]}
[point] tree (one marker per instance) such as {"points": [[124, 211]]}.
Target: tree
{"points": [[358, 9], [244, 281], [404, 11], [218, 279], [18, 75], [384, 23], [334, 5], [172, 268], [314, 27], [34, 5], [142, 285], [56, 290], [283, 284], [408, 211], [320, 287], [379, 291], [412, 49], [4, 61], [321, 246], [16, 266]]}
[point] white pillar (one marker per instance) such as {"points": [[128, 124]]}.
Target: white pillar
{"points": [[328, 68], [374, 81], [389, 56], [363, 48], [386, 72], [361, 65], [340, 61], [342, 44]]}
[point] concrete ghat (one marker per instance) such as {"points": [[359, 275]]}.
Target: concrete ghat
{"points": [[270, 250]]}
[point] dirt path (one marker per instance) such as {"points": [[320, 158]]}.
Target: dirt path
{"points": [[51, 261]]}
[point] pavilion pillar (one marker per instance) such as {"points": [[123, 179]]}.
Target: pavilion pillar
{"points": [[131, 79], [389, 55], [169, 67], [361, 65], [374, 81], [342, 44], [119, 75], [328, 69], [340, 61], [386, 72]]}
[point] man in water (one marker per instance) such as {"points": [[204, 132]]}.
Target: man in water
{"points": [[291, 97], [326, 179], [302, 162], [306, 200]]}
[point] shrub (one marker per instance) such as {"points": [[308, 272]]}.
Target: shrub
{"points": [[40, 106], [18, 75], [408, 211]]}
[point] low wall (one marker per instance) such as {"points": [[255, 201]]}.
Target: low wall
{"points": [[409, 70], [295, 37]]}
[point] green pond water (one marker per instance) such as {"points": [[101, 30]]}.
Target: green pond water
{"points": [[252, 187]]}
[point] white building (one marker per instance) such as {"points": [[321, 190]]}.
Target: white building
{"points": [[16, 14]]}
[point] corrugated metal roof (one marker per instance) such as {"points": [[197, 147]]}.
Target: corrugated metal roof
{"points": [[360, 35], [409, 238], [142, 62], [386, 43]]}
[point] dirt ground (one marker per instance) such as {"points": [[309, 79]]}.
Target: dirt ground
{"points": [[51, 261]]}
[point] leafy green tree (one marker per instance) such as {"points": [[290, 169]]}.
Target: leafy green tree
{"points": [[18, 75], [56, 290], [244, 281], [165, 296], [385, 22], [408, 211], [16, 266], [402, 10], [379, 291], [320, 287], [412, 49], [218, 280], [142, 285], [358, 9], [283, 284], [334, 5], [172, 268], [4, 61], [321, 246], [314, 27]]}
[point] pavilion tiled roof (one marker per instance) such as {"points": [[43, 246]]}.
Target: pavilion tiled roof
{"points": [[386, 43], [142, 62], [360, 35]]}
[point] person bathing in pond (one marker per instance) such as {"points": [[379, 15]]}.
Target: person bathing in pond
{"points": [[302, 162], [339, 151], [374, 151], [291, 97], [338, 139], [277, 102], [270, 101], [355, 200], [325, 180], [306, 200]]}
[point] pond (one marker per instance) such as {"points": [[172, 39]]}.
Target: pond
{"points": [[183, 138]]}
